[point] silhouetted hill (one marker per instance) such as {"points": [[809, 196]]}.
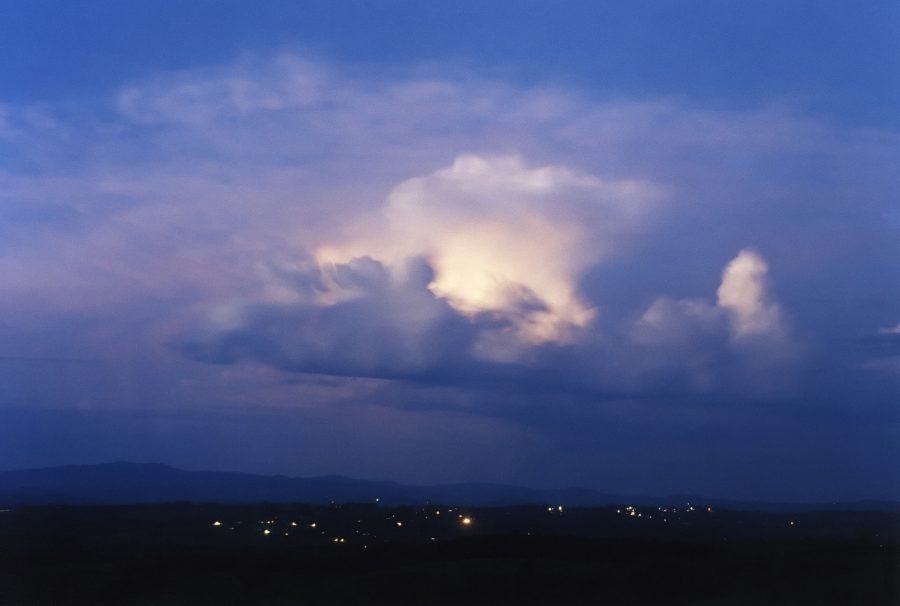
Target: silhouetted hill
{"points": [[123, 483]]}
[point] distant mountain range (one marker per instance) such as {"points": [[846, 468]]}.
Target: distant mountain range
{"points": [[139, 483]]}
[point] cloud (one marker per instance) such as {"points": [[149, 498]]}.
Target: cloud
{"points": [[359, 318], [719, 346], [744, 307], [890, 330], [744, 295], [678, 324], [879, 352], [432, 223], [506, 239], [198, 97], [477, 261], [368, 318]]}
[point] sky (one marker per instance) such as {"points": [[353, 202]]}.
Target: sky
{"points": [[643, 247]]}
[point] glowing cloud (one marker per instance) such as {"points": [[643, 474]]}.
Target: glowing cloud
{"points": [[504, 239]]}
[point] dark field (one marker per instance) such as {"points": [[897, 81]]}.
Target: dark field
{"points": [[359, 554]]}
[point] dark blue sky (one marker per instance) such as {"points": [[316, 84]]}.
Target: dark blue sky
{"points": [[638, 246], [834, 58]]}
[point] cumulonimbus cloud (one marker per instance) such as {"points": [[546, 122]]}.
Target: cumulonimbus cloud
{"points": [[477, 262], [503, 238], [298, 209]]}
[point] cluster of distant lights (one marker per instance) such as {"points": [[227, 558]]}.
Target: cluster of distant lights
{"points": [[632, 511], [465, 520]]}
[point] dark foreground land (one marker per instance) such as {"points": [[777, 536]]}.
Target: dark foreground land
{"points": [[363, 554]]}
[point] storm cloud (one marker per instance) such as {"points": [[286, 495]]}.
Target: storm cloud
{"points": [[434, 247]]}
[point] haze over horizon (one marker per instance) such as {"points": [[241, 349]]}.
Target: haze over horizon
{"points": [[639, 247]]}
